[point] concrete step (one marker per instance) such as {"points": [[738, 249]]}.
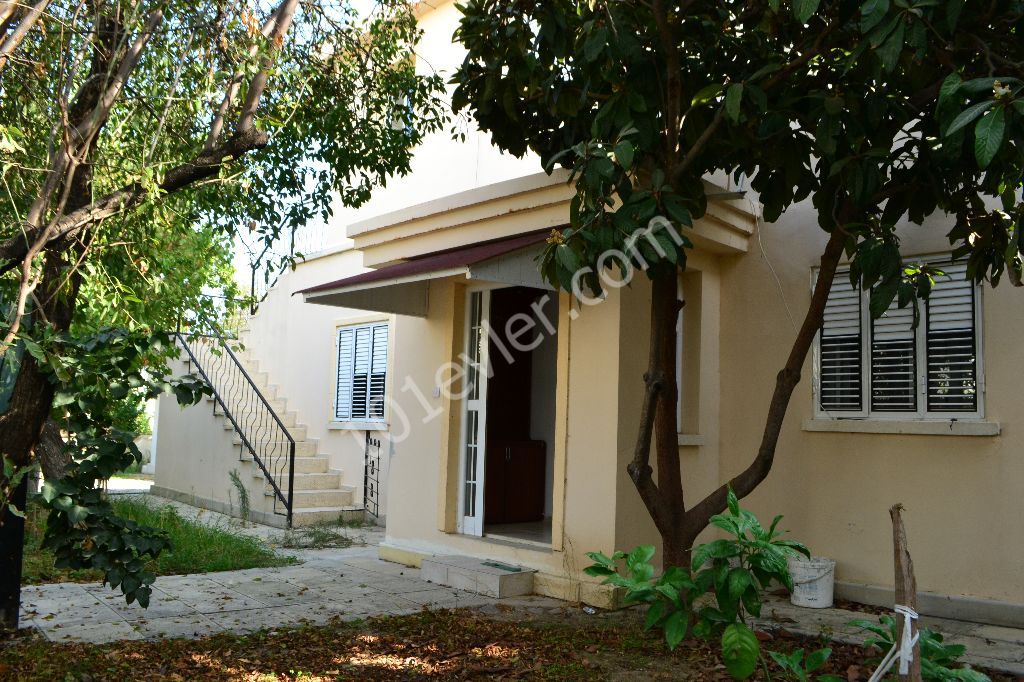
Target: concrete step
{"points": [[298, 433], [341, 497], [251, 404], [316, 464], [492, 578], [303, 448], [289, 419], [311, 516], [321, 481]]}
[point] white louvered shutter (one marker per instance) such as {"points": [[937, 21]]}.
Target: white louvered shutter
{"points": [[362, 373], [839, 382], [378, 371], [343, 395], [952, 380], [894, 361]]}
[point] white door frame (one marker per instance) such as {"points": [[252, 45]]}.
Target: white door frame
{"points": [[472, 452]]}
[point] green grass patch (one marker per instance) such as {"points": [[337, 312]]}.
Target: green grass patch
{"points": [[196, 547]]}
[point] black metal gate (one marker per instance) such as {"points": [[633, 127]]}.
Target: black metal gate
{"points": [[371, 476]]}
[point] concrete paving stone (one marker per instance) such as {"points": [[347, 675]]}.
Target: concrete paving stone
{"points": [[160, 605], [401, 585], [997, 633], [445, 598], [945, 626], [252, 620], [990, 648], [52, 613], [306, 575], [271, 591], [53, 590], [1009, 667], [213, 598], [94, 633], [189, 625], [379, 566]]}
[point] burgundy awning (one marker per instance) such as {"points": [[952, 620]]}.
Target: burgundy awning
{"points": [[402, 288]]}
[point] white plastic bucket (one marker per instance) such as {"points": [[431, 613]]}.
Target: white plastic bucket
{"points": [[813, 581]]}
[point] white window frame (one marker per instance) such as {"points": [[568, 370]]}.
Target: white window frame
{"points": [[354, 327], [921, 356]]}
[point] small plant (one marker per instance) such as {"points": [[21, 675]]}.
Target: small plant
{"points": [[937, 658], [737, 569], [668, 597], [243, 494], [798, 667]]}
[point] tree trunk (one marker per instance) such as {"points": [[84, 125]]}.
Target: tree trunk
{"points": [[664, 498], [52, 453], [12, 539]]}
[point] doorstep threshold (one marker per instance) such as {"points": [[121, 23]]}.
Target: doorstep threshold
{"points": [[519, 543]]}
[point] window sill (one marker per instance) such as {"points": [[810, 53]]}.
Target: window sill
{"points": [[904, 427], [690, 440], [357, 426]]}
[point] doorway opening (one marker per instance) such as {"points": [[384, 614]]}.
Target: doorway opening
{"points": [[509, 421]]}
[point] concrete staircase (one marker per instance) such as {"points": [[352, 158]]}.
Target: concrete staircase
{"points": [[320, 494]]}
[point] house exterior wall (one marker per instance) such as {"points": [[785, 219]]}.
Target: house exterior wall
{"points": [[424, 473], [296, 345], [197, 455], [835, 488]]}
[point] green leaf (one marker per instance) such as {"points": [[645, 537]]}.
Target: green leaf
{"points": [[640, 555], [595, 44], [733, 502], [706, 94], [739, 651], [967, 115], [889, 51], [816, 659], [716, 549], [654, 614], [988, 136], [77, 514], [803, 10], [624, 154], [950, 87], [739, 581], [49, 492], [871, 13], [733, 98], [675, 628]]}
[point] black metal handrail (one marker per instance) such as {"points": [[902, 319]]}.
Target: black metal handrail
{"points": [[258, 426]]}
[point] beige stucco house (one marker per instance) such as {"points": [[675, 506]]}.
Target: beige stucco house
{"points": [[507, 411]]}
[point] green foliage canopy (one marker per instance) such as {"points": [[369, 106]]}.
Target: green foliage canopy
{"points": [[878, 111]]}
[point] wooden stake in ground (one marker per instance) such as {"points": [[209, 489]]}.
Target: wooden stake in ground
{"points": [[906, 586]]}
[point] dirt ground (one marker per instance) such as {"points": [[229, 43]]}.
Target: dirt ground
{"points": [[504, 644]]}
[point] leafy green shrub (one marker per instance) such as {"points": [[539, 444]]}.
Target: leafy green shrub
{"points": [[737, 569], [799, 667], [937, 658]]}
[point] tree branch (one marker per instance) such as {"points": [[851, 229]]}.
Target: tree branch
{"points": [[259, 82], [11, 42], [130, 196], [217, 126], [786, 382]]}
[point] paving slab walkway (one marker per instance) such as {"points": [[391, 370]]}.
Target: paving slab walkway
{"points": [[346, 583], [353, 583]]}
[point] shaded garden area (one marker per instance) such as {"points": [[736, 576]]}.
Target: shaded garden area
{"points": [[441, 645]]}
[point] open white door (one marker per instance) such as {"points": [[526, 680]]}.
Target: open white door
{"points": [[474, 417]]}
